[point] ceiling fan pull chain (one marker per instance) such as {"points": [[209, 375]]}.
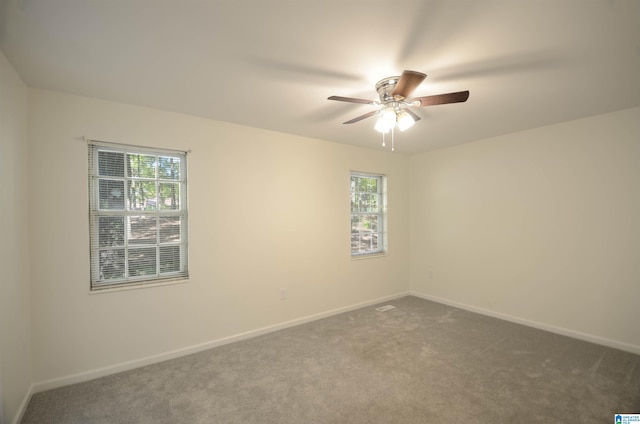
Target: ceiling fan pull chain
{"points": [[393, 139], [383, 143]]}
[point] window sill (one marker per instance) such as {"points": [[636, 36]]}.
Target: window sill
{"points": [[368, 256], [146, 285]]}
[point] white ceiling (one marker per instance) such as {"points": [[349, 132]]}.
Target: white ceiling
{"points": [[272, 63]]}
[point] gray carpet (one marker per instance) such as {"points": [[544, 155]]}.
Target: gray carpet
{"points": [[421, 362]]}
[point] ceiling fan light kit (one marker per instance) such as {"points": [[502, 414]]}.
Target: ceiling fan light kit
{"points": [[393, 116], [404, 120], [386, 121], [394, 108]]}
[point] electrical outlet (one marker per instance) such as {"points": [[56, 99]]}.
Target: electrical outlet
{"points": [[283, 294]]}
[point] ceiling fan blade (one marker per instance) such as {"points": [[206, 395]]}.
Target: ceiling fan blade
{"points": [[407, 83], [441, 99], [361, 117], [352, 100]]}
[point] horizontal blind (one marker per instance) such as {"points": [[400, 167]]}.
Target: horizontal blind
{"points": [[138, 221]]}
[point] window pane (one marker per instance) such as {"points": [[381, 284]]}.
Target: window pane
{"points": [[111, 194], [142, 261], [169, 196], [360, 202], [360, 223], [375, 203], [141, 166], [111, 164], [373, 241], [111, 264], [169, 259], [168, 168], [110, 231], [142, 195], [142, 229], [372, 185], [169, 229], [371, 222], [355, 243], [355, 223], [364, 241], [372, 204], [367, 203], [367, 185]]}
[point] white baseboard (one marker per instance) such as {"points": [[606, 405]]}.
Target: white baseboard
{"points": [[23, 406], [540, 326], [136, 363]]}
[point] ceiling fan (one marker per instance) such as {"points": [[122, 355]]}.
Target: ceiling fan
{"points": [[395, 105]]}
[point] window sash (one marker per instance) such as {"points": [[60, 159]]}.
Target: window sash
{"points": [[135, 243], [367, 215]]}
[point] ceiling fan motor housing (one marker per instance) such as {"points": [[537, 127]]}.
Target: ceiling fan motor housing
{"points": [[385, 87]]}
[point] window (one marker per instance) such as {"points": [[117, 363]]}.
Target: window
{"points": [[367, 214], [138, 215]]}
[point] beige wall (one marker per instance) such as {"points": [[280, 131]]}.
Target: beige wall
{"points": [[15, 333], [541, 225], [267, 211]]}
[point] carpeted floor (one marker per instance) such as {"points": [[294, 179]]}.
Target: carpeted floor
{"points": [[421, 362]]}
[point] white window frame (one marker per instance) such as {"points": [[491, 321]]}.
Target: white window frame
{"points": [[381, 214], [97, 281]]}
